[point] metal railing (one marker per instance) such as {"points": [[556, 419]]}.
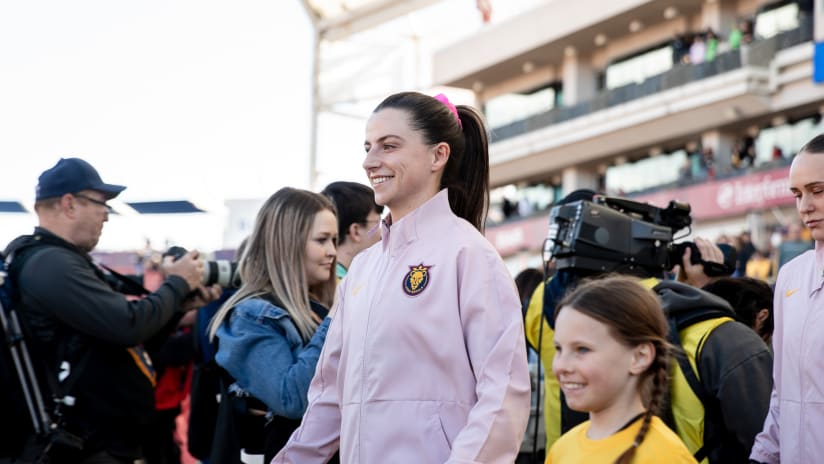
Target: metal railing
{"points": [[759, 53]]}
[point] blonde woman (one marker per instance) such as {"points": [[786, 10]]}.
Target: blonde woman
{"points": [[271, 331]]}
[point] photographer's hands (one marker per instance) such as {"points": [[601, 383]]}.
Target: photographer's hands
{"points": [[693, 274], [189, 267]]}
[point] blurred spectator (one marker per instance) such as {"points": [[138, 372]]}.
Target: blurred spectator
{"points": [[680, 49], [358, 218], [524, 207], [752, 300], [533, 447], [698, 50], [172, 359], [759, 266], [777, 154], [685, 172], [743, 155], [205, 383], [724, 238], [793, 244], [711, 45], [745, 250], [698, 165], [709, 161], [509, 208], [736, 35]]}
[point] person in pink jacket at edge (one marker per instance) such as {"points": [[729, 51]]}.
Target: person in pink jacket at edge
{"points": [[794, 429], [424, 361]]}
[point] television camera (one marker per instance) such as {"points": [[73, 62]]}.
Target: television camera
{"points": [[611, 234]]}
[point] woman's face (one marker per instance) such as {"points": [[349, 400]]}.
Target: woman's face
{"points": [[403, 170], [321, 248], [807, 185]]}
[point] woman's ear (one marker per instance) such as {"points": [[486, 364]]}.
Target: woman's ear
{"points": [[441, 153], [642, 357], [760, 318]]}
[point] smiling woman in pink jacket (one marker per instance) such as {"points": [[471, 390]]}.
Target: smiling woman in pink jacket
{"points": [[424, 361]]}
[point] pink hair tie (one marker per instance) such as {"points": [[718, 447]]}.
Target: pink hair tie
{"points": [[442, 98]]}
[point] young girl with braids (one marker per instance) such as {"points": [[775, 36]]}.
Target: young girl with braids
{"points": [[611, 361]]}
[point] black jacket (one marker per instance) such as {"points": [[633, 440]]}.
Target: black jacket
{"points": [[76, 320], [735, 369]]}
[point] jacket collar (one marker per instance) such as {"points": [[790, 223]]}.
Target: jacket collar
{"points": [[424, 219]]}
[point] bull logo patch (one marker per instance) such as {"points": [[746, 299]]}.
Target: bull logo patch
{"points": [[416, 279]]}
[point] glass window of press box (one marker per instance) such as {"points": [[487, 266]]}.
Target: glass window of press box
{"points": [[508, 108], [784, 141], [779, 17], [516, 201], [638, 67], [771, 145], [646, 173]]}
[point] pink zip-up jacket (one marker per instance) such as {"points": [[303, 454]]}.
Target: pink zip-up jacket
{"points": [[794, 429], [425, 360]]}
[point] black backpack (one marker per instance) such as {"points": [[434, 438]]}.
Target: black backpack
{"points": [[31, 397]]}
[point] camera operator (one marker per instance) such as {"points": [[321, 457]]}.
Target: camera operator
{"points": [[83, 331], [720, 387]]}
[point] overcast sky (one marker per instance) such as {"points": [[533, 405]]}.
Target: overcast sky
{"points": [[202, 100]]}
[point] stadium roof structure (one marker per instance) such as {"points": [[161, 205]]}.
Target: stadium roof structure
{"points": [[165, 207], [365, 50], [12, 207], [139, 207], [338, 19]]}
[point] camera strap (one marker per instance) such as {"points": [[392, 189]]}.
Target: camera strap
{"points": [[123, 284]]}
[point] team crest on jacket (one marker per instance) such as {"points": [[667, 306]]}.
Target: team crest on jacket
{"points": [[416, 279]]}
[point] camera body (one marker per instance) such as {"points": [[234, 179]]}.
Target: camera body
{"points": [[614, 234], [222, 272]]}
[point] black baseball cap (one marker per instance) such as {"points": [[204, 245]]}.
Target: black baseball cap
{"points": [[71, 175]]}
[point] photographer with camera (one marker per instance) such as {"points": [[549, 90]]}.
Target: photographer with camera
{"points": [[81, 331], [719, 390]]}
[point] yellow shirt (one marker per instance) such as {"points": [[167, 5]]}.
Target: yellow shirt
{"points": [[660, 445]]}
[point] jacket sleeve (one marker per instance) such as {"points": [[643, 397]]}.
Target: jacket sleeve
{"points": [[318, 436], [494, 337], [766, 448], [63, 284], [258, 355]]}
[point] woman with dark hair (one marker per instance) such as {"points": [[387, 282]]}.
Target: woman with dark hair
{"points": [[425, 360]]}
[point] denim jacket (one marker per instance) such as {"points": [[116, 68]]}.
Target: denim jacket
{"points": [[261, 348]]}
